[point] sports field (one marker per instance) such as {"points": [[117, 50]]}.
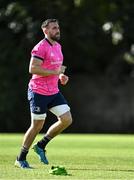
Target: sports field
{"points": [[84, 157]]}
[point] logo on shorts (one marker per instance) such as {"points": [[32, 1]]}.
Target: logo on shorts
{"points": [[37, 109]]}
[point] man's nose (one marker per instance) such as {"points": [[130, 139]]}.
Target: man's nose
{"points": [[58, 31]]}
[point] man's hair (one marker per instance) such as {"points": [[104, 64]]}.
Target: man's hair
{"points": [[46, 22]]}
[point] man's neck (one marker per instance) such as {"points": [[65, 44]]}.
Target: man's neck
{"points": [[51, 41]]}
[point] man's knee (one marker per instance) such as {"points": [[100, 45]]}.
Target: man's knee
{"points": [[37, 121], [37, 125], [66, 118]]}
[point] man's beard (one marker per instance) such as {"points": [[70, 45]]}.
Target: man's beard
{"points": [[56, 37]]}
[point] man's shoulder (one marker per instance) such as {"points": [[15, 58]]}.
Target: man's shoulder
{"points": [[41, 44], [58, 44]]}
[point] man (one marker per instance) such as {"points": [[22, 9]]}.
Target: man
{"points": [[43, 93]]}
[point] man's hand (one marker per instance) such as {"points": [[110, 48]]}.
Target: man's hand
{"points": [[63, 79]]}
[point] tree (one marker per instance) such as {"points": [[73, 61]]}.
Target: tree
{"points": [[97, 39]]}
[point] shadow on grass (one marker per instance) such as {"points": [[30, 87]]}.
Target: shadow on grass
{"points": [[92, 169]]}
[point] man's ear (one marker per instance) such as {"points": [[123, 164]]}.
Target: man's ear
{"points": [[45, 31]]}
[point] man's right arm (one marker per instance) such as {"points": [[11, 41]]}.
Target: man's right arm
{"points": [[36, 68]]}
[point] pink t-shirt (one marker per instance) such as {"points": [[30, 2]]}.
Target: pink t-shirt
{"points": [[52, 59]]}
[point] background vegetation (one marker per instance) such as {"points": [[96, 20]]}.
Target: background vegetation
{"points": [[98, 46]]}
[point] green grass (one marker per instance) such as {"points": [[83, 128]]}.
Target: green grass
{"points": [[84, 156]]}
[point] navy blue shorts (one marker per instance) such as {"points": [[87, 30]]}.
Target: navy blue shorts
{"points": [[39, 104]]}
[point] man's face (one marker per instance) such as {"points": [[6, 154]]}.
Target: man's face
{"points": [[53, 31]]}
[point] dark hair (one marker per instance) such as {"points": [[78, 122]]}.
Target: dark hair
{"points": [[46, 22]]}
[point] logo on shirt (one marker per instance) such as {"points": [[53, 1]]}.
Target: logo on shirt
{"points": [[56, 62], [52, 54]]}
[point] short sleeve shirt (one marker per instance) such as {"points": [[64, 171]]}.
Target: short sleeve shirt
{"points": [[52, 59]]}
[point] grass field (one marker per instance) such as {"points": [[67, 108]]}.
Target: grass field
{"points": [[84, 156]]}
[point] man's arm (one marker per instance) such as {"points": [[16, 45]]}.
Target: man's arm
{"points": [[36, 68]]}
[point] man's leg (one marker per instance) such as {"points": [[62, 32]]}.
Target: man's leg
{"points": [[28, 139], [31, 133], [60, 108], [63, 122]]}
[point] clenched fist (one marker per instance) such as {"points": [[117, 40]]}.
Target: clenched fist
{"points": [[63, 79]]}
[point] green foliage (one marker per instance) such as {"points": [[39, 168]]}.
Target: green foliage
{"points": [[97, 36]]}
